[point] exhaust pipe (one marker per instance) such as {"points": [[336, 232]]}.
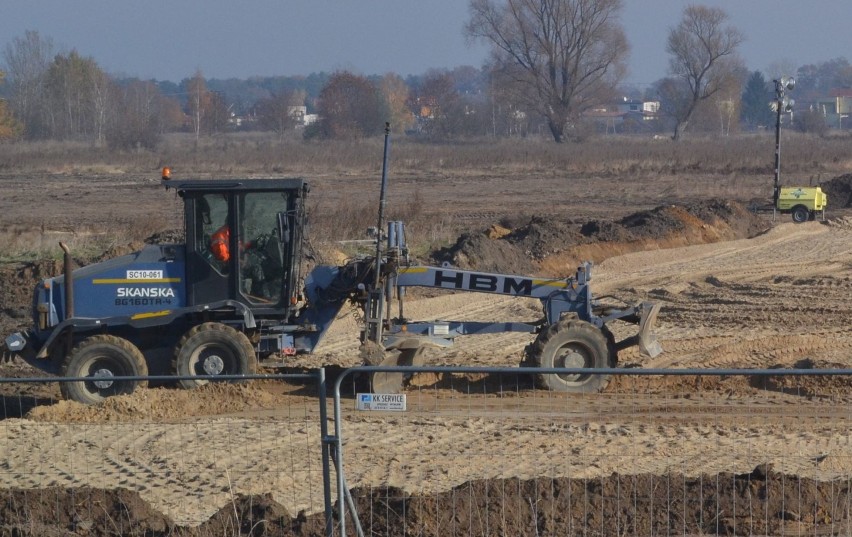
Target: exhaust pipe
{"points": [[69, 284]]}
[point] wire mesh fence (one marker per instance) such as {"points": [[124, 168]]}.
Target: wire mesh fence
{"points": [[487, 452], [224, 459]]}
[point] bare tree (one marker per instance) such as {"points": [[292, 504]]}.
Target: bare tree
{"points": [[396, 94], [350, 106], [702, 49], [566, 55], [142, 114], [277, 114], [103, 89], [28, 59], [71, 102], [9, 126], [441, 99], [198, 102]]}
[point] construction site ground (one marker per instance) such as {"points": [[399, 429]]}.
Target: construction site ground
{"points": [[738, 289]]}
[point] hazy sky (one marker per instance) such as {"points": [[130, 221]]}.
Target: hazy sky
{"points": [[169, 40]]}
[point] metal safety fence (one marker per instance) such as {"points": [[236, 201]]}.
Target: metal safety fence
{"points": [[462, 451], [486, 451]]}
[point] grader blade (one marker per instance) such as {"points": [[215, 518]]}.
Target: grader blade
{"points": [[647, 340], [408, 353]]}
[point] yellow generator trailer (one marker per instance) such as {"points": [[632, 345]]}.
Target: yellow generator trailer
{"points": [[802, 202]]}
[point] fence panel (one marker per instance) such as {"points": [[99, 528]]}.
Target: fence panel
{"points": [[483, 451], [225, 459]]}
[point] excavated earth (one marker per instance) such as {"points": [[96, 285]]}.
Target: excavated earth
{"points": [[552, 247], [737, 290]]}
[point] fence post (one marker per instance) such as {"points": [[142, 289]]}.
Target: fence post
{"points": [[326, 467]]}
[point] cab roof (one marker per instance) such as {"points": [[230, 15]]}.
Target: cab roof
{"points": [[236, 185]]}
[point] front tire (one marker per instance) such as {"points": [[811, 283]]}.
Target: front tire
{"points": [[573, 344], [102, 357], [213, 349], [800, 214]]}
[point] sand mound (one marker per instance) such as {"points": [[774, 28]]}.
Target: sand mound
{"points": [[165, 404]]}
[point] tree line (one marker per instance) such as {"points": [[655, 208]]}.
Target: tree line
{"points": [[552, 63]]}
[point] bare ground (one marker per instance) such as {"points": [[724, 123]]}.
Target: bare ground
{"points": [[781, 298]]}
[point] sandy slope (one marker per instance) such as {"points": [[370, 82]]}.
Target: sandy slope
{"points": [[768, 301], [748, 303]]}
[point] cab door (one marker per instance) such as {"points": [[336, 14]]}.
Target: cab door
{"points": [[262, 262], [209, 277]]}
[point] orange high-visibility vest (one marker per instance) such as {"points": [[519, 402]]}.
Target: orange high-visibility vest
{"points": [[219, 243]]}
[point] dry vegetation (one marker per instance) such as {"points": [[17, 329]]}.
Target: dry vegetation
{"points": [[438, 189], [257, 153]]}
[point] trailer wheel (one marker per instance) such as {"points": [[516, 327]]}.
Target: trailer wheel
{"points": [[213, 349], [800, 214], [102, 357], [573, 344]]}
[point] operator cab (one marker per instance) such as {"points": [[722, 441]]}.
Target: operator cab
{"points": [[243, 241]]}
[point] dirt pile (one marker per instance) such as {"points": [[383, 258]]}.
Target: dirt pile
{"points": [[761, 502], [544, 245], [84, 511], [839, 191], [477, 251], [758, 503], [167, 404], [730, 220], [16, 282]]}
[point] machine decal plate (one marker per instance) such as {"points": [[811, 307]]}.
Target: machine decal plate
{"points": [[144, 274]]}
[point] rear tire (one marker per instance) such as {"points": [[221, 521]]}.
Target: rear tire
{"points": [[800, 214], [102, 357], [573, 344], [213, 349]]}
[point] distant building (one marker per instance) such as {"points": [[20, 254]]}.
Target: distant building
{"points": [[611, 117], [835, 108]]}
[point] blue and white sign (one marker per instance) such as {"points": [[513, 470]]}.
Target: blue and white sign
{"points": [[389, 402]]}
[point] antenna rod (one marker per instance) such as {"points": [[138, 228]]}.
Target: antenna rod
{"points": [[776, 191], [382, 205]]}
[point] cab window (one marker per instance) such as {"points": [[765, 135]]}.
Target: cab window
{"points": [[211, 230], [262, 259]]}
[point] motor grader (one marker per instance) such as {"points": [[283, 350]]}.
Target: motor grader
{"points": [[177, 309]]}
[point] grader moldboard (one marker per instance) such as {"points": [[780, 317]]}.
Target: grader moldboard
{"points": [[178, 309]]}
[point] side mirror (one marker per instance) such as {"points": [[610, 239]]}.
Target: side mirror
{"points": [[283, 228]]}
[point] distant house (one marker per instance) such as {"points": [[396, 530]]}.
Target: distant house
{"points": [[835, 108], [611, 117], [298, 114]]}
